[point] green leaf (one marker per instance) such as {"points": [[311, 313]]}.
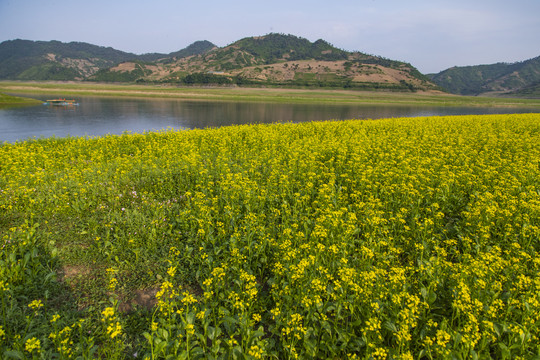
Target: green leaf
{"points": [[388, 325], [13, 354], [258, 333], [326, 326], [311, 347], [213, 332], [432, 296], [197, 351], [498, 329], [357, 343], [504, 349], [147, 336], [229, 320], [238, 353], [424, 293], [190, 317], [160, 345], [183, 355]]}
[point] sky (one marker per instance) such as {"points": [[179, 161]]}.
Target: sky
{"points": [[432, 35]]}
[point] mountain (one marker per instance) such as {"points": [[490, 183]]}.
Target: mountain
{"points": [[275, 47], [520, 79], [54, 60], [198, 47], [272, 59], [529, 91], [275, 59]]}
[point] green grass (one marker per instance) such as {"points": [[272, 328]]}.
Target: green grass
{"points": [[263, 94], [8, 100]]}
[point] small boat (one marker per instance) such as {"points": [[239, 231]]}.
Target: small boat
{"points": [[61, 102]]}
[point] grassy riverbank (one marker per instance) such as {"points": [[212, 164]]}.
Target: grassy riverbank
{"points": [[8, 100], [263, 94], [412, 238]]}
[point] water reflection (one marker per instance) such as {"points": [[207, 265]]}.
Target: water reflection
{"points": [[100, 116]]}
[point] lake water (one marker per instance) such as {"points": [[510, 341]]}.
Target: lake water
{"points": [[99, 116]]}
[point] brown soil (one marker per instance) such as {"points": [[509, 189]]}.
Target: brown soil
{"points": [[73, 271], [127, 66], [143, 298]]}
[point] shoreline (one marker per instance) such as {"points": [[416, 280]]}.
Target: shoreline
{"points": [[277, 95], [9, 100]]}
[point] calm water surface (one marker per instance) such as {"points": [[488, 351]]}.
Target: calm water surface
{"points": [[99, 116]]}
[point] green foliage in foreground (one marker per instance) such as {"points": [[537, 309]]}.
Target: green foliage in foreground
{"points": [[390, 239]]}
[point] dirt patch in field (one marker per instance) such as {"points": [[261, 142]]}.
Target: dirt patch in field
{"points": [[72, 272], [145, 298]]}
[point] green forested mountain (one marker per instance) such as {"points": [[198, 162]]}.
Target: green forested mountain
{"points": [[198, 47], [54, 60], [275, 60], [275, 47], [519, 78], [272, 59], [531, 91]]}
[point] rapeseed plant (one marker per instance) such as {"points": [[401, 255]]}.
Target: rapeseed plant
{"points": [[396, 238]]}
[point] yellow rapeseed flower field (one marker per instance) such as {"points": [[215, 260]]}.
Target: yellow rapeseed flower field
{"points": [[409, 238]]}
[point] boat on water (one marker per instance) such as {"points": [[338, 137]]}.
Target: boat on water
{"points": [[61, 102]]}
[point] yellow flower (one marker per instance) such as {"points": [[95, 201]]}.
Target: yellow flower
{"points": [[373, 324], [32, 344], [380, 353], [171, 271], [165, 287], [407, 356], [36, 304], [232, 341], [114, 329], [108, 312], [188, 298], [256, 352], [112, 284]]}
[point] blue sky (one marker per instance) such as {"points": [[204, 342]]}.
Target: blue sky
{"points": [[432, 35]]}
